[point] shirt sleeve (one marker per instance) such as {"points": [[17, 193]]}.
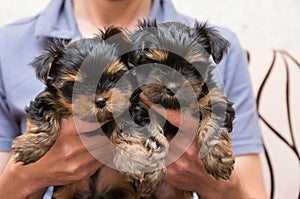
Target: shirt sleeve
{"points": [[8, 126], [246, 135]]}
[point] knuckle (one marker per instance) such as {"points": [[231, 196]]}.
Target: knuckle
{"points": [[67, 152], [75, 171], [84, 174], [70, 151], [181, 165], [72, 169]]}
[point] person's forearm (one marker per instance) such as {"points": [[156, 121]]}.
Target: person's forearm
{"points": [[4, 157], [10, 186], [232, 189], [235, 190], [14, 184], [246, 181]]}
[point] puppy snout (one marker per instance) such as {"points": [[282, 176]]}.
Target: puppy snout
{"points": [[172, 88], [100, 102]]}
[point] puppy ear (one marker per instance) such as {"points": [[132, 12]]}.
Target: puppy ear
{"points": [[115, 31], [146, 23], [43, 63], [211, 40]]}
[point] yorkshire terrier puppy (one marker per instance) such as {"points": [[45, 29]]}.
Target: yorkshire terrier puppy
{"points": [[80, 80], [86, 79], [176, 72]]}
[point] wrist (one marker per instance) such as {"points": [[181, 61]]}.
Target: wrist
{"points": [[234, 190], [218, 192], [231, 189]]}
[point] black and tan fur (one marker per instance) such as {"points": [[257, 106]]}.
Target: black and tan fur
{"points": [[188, 76], [81, 79]]}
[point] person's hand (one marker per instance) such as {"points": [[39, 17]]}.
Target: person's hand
{"points": [[68, 160], [185, 169]]}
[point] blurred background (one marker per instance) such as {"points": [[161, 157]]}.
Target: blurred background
{"points": [[269, 32], [263, 24]]}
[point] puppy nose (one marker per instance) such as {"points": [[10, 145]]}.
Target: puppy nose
{"points": [[172, 88], [100, 102]]}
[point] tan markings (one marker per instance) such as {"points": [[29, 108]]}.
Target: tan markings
{"points": [[78, 77], [50, 66], [193, 57], [157, 54], [112, 31], [115, 66], [196, 87], [64, 102]]}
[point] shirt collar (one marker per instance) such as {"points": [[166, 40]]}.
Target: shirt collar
{"points": [[57, 21]]}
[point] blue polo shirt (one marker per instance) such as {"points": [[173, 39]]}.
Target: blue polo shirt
{"points": [[22, 41]]}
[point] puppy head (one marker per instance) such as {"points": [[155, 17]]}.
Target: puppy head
{"points": [[169, 87], [206, 35], [83, 75], [100, 90], [172, 64]]}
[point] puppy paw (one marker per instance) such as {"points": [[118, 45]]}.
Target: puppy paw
{"points": [[217, 158], [29, 148]]}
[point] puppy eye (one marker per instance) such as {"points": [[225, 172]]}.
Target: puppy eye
{"points": [[112, 78]]}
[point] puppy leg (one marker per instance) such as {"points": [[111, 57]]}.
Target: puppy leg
{"points": [[214, 135], [30, 147], [43, 126], [140, 156]]}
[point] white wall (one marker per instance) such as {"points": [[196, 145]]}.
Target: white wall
{"points": [[258, 23]]}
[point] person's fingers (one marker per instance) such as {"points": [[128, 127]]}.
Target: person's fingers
{"points": [[187, 123], [73, 124], [99, 146], [173, 116], [185, 139], [183, 171], [181, 145], [69, 160], [77, 168]]}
